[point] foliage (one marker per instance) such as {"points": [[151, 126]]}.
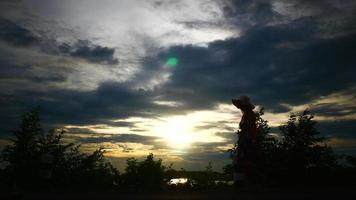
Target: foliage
{"points": [[146, 174], [303, 145], [206, 178], [351, 161], [266, 143], [297, 152], [268, 148], [40, 160], [22, 154]]}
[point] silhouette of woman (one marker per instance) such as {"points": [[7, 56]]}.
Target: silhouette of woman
{"points": [[246, 156]]}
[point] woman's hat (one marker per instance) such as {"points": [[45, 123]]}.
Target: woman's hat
{"points": [[243, 100]]}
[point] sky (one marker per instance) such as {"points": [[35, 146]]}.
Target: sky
{"points": [[141, 76]]}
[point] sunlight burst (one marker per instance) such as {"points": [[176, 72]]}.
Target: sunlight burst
{"points": [[176, 132]]}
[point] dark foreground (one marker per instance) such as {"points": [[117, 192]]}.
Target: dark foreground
{"points": [[322, 193]]}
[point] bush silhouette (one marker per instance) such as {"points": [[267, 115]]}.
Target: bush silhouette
{"points": [[298, 154], [303, 144], [147, 174], [39, 160]]}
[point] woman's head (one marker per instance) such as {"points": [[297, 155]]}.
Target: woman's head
{"points": [[243, 103]]}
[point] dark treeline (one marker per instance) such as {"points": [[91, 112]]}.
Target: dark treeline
{"points": [[37, 160]]}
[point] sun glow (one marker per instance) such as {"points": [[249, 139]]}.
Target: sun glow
{"points": [[181, 131], [176, 131]]}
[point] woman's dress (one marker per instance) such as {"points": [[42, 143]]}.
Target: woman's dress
{"points": [[247, 144]]}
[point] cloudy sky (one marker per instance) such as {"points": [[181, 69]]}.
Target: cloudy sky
{"points": [[140, 76]]}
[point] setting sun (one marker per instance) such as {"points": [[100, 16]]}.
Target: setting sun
{"points": [[180, 131], [176, 132]]}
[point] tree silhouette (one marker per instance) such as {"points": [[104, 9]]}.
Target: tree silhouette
{"points": [[206, 178], [299, 151], [268, 150], [210, 174], [22, 155], [37, 159], [304, 146], [304, 154], [146, 174]]}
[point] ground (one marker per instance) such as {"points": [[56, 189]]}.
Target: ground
{"points": [[343, 193]]}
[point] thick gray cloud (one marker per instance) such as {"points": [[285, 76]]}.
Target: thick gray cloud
{"points": [[342, 129], [17, 35], [331, 17], [112, 100], [121, 138], [93, 53], [332, 110], [250, 12], [14, 72], [273, 64], [83, 107]]}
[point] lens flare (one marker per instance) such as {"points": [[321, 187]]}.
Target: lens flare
{"points": [[172, 62]]}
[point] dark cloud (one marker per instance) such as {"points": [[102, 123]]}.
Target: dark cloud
{"points": [[209, 147], [93, 53], [83, 49], [230, 136], [111, 100], [96, 54], [201, 24], [10, 72], [219, 124], [157, 3], [75, 131], [332, 110], [155, 143], [338, 128], [122, 124], [16, 35], [245, 14], [250, 12], [331, 18], [121, 138], [273, 64]]}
